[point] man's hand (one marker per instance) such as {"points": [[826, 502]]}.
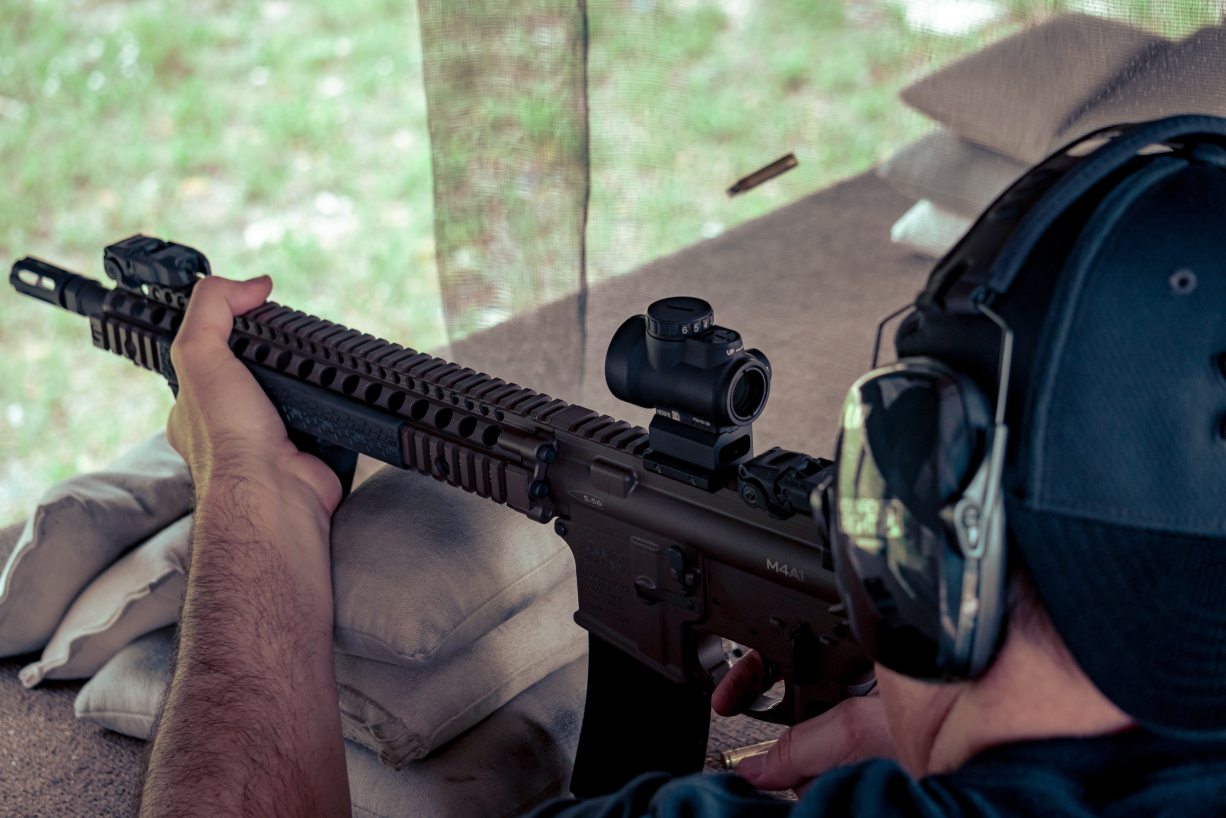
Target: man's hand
{"points": [[250, 725], [851, 731], [222, 421]]}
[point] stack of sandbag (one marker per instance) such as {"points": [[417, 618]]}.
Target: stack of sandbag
{"points": [[460, 671], [1006, 107]]}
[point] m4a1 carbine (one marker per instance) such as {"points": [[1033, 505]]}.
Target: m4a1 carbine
{"points": [[681, 537]]}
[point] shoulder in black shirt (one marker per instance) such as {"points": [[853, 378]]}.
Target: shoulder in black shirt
{"points": [[1134, 773]]}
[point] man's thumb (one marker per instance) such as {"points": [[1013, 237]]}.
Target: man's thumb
{"points": [[214, 304]]}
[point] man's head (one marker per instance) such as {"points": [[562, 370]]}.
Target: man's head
{"points": [[1107, 274]]}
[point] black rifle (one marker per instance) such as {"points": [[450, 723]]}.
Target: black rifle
{"points": [[681, 537]]}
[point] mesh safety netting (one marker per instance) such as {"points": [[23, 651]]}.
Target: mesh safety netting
{"points": [[580, 156], [568, 145]]}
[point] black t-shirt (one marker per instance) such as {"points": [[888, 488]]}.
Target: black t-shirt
{"points": [[1134, 773]]}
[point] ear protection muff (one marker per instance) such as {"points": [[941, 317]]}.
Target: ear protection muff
{"points": [[917, 521], [918, 518]]}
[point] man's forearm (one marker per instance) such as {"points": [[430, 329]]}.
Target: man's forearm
{"points": [[250, 726]]}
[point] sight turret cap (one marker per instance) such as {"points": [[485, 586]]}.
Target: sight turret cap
{"points": [[676, 318]]}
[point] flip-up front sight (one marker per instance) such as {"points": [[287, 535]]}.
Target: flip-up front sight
{"points": [[139, 260], [705, 386]]}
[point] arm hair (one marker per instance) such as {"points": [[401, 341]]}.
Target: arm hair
{"points": [[249, 725]]}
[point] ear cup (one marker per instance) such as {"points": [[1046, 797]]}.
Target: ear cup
{"points": [[915, 436]]}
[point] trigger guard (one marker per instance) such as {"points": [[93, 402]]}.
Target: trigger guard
{"points": [[789, 708]]}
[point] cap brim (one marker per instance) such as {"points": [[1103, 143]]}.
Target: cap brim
{"points": [[1142, 612]]}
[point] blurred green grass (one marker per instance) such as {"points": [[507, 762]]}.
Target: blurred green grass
{"points": [[290, 138], [282, 138]]}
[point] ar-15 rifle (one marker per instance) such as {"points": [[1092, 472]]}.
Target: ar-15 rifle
{"points": [[680, 535]]}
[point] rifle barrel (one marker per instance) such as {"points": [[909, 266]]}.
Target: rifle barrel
{"points": [[55, 285]]}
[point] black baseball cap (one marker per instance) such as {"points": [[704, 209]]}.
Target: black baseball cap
{"points": [[1115, 478]]}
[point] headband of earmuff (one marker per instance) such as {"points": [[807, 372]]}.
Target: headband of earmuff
{"points": [[986, 261]]}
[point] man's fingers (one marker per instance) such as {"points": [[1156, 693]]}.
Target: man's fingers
{"points": [[852, 731], [216, 394], [744, 683], [213, 305]]}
